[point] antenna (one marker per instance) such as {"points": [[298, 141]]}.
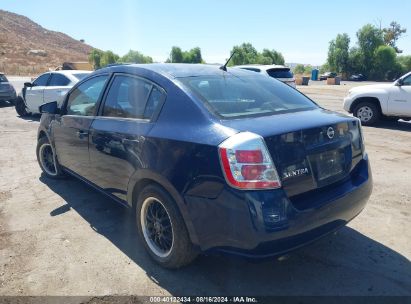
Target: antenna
{"points": [[224, 67]]}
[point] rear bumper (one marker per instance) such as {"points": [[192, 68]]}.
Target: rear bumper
{"points": [[7, 96], [241, 222]]}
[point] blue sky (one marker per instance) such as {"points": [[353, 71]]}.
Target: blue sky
{"points": [[299, 29]]}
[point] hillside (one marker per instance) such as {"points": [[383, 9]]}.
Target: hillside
{"points": [[28, 48]]}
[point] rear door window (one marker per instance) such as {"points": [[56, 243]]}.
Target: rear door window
{"points": [[280, 73], [154, 102], [58, 80], [127, 97], [407, 81], [42, 80]]}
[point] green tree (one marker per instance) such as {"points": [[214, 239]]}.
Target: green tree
{"points": [[307, 69], [193, 56], [176, 55], [247, 54], [369, 39], [276, 57], [338, 53], [179, 56], [324, 68], [392, 34], [355, 59], [263, 60], [94, 58], [385, 59], [135, 57], [299, 69], [108, 57], [244, 54], [405, 62]]}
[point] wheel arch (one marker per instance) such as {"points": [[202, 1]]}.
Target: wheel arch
{"points": [[143, 177], [41, 134], [371, 99]]}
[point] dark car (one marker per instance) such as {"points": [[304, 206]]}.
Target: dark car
{"points": [[328, 75], [209, 159], [7, 91], [358, 77]]}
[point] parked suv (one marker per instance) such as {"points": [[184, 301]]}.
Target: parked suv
{"points": [[7, 91], [279, 72], [371, 103], [209, 159], [50, 86]]}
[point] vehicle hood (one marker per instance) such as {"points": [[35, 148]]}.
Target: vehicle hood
{"points": [[287, 122], [370, 88]]}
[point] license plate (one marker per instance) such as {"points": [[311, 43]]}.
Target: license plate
{"points": [[329, 163]]}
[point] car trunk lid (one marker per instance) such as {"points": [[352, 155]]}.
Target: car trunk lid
{"points": [[311, 149]]}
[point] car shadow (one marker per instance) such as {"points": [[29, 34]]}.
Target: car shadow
{"points": [[400, 125], [31, 118], [5, 104], [347, 263]]}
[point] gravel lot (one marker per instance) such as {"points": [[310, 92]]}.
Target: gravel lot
{"points": [[63, 238]]}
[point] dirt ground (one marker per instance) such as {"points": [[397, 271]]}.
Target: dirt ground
{"points": [[63, 238]]}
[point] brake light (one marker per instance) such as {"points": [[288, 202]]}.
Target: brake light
{"points": [[247, 164], [246, 156]]}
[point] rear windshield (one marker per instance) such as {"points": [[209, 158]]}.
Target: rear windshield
{"points": [[3, 78], [232, 97], [280, 73], [80, 76]]}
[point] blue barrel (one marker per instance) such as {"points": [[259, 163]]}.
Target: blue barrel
{"points": [[314, 74]]}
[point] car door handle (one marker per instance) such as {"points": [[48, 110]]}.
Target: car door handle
{"points": [[130, 141], [82, 133]]}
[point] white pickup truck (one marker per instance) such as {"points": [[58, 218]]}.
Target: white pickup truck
{"points": [[374, 102]]}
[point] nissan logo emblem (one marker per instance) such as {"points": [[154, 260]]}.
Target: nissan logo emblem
{"points": [[330, 133]]}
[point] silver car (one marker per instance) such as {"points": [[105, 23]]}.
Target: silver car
{"points": [[279, 72], [7, 91]]}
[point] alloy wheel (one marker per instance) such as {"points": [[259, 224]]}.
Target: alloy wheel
{"points": [[157, 227], [47, 160]]}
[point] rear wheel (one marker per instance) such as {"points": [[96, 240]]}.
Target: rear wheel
{"points": [[20, 107], [47, 159], [162, 228], [367, 112]]}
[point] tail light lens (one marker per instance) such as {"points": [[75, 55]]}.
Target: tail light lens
{"points": [[246, 162]]}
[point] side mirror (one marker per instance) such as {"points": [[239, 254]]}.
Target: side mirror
{"points": [[399, 82], [49, 108], [28, 84]]}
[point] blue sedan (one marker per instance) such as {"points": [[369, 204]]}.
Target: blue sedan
{"points": [[208, 158]]}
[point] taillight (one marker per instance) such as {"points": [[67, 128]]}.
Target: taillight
{"points": [[246, 162]]}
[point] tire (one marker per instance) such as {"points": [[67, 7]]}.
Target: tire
{"points": [[367, 112], [20, 107], [155, 203], [47, 159]]}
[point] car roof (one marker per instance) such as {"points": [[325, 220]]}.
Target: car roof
{"points": [[263, 67], [176, 70], [71, 72]]}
